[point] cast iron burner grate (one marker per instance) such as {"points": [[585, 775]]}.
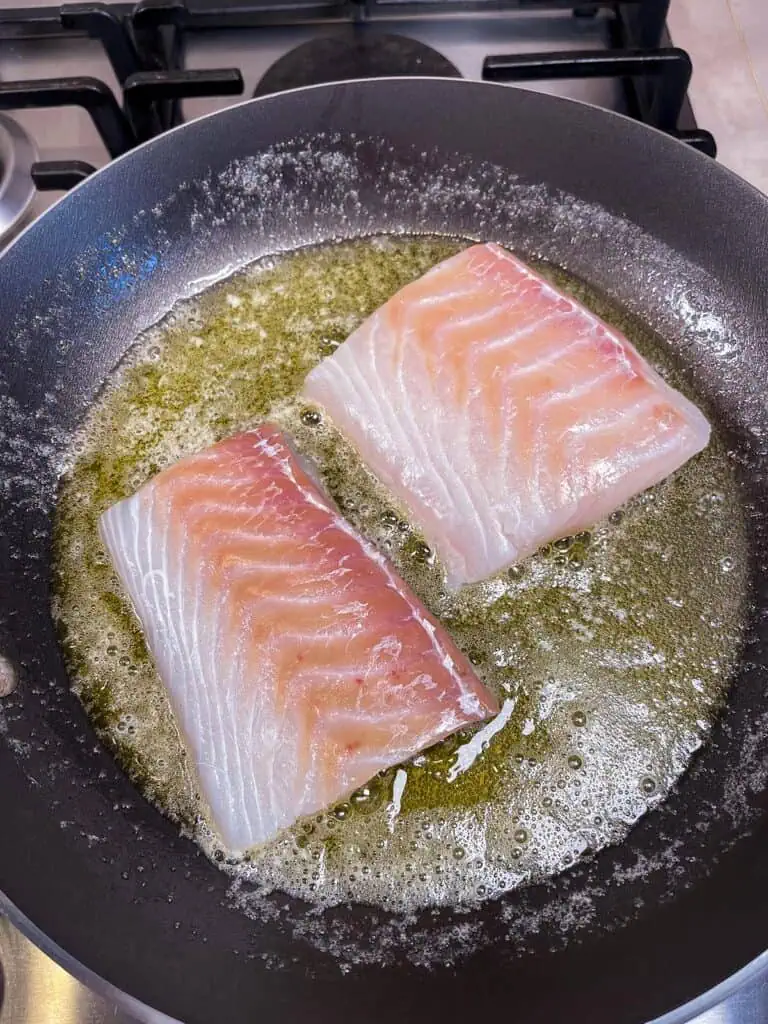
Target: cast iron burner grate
{"points": [[145, 45]]}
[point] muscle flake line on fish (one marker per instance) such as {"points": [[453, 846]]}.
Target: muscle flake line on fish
{"points": [[501, 413], [297, 663]]}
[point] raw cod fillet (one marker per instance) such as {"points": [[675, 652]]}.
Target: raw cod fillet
{"points": [[501, 413], [297, 663]]}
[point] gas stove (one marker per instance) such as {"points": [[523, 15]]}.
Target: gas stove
{"points": [[83, 83]]}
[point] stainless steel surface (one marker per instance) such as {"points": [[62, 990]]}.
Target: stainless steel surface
{"points": [[17, 154], [34, 989]]}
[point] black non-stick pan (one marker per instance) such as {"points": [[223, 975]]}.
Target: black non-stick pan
{"points": [[97, 875]]}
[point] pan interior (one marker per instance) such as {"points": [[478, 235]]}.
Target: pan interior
{"points": [[610, 652]]}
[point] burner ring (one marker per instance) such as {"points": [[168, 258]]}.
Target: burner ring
{"points": [[17, 155], [354, 54]]}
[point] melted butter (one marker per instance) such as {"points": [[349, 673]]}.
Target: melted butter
{"points": [[611, 651]]}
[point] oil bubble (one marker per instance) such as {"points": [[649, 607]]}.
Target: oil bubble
{"points": [[329, 345], [310, 417], [422, 553]]}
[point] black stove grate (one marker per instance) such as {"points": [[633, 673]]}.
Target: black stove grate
{"points": [[656, 82], [144, 44]]}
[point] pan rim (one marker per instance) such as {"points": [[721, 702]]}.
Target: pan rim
{"points": [[462, 83]]}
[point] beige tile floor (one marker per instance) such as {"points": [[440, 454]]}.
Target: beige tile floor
{"points": [[728, 41]]}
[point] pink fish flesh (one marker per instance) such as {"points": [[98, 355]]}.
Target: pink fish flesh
{"points": [[501, 413], [297, 663]]}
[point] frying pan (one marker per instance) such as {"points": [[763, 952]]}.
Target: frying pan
{"points": [[97, 875]]}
